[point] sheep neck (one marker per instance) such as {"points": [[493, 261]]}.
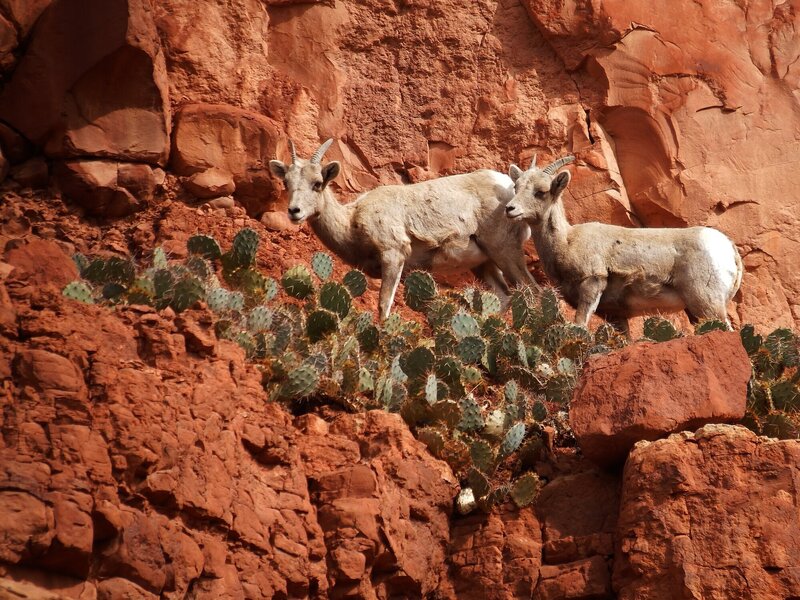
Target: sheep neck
{"points": [[550, 235], [333, 226]]}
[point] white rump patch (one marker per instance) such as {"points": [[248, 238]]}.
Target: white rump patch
{"points": [[722, 255], [502, 180]]}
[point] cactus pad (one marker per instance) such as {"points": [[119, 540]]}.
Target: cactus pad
{"points": [[511, 391], [218, 300], [335, 298], [525, 489], [420, 290], [539, 411], [471, 418], [710, 325], [297, 282], [245, 246], [78, 290], [750, 340], [160, 258], [417, 363], [483, 456], [205, 246], [186, 293], [247, 342], [322, 264], [512, 439], [356, 282], [259, 319], [490, 304], [81, 262], [660, 330], [495, 423], [320, 324], [432, 389], [300, 382], [464, 325], [432, 438], [368, 338], [470, 350], [142, 291], [236, 301], [519, 309]]}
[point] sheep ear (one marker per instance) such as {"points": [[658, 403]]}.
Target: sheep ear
{"points": [[560, 182], [330, 171], [514, 172], [278, 169]]}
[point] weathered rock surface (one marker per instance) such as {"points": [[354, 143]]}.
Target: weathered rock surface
{"points": [[710, 515], [647, 391], [233, 140], [92, 83], [211, 183], [105, 188]]}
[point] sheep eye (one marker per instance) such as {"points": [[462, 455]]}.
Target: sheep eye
{"points": [[539, 194]]}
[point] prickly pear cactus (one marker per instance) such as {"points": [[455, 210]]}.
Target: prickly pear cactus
{"points": [[259, 319], [483, 457], [186, 294], [471, 418], [218, 300], [322, 264], [205, 246], [464, 325], [81, 262], [417, 363], [236, 301], [300, 382], [356, 282], [660, 330], [320, 324], [297, 282], [78, 290], [335, 298], [470, 350], [432, 438], [710, 325], [525, 489], [512, 439], [160, 258], [243, 251], [420, 290], [490, 304]]}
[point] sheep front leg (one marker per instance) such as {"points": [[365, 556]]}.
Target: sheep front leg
{"points": [[391, 270], [589, 293]]}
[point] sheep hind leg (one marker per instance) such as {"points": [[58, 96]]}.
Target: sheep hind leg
{"points": [[591, 289], [391, 271]]}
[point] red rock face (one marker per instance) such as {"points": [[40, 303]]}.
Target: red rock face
{"points": [[647, 391], [141, 457], [710, 514]]}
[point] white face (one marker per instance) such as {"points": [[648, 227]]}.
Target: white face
{"points": [[535, 192], [305, 182]]}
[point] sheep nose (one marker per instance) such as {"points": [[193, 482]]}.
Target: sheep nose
{"points": [[510, 208], [293, 211]]}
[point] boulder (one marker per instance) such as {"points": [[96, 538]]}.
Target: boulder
{"points": [[648, 390], [233, 140], [92, 83], [211, 183], [106, 188], [277, 220], [711, 514]]}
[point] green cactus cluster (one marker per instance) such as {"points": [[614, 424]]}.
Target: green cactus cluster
{"points": [[477, 385]]}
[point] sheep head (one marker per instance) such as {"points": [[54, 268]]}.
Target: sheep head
{"points": [[536, 189], [305, 181]]}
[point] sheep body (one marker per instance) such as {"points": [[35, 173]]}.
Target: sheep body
{"points": [[452, 223], [622, 272]]}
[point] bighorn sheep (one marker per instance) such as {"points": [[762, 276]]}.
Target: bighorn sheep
{"points": [[451, 223], [622, 272]]}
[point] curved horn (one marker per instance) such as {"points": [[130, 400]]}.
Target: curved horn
{"points": [[555, 166], [321, 152], [294, 154], [533, 163]]}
